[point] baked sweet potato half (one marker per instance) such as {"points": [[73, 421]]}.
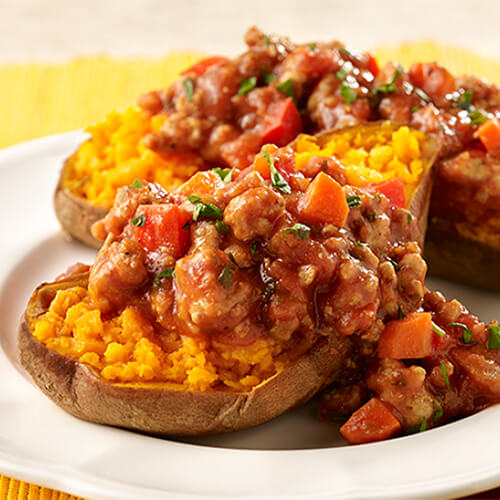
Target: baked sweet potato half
{"points": [[224, 303], [167, 408]]}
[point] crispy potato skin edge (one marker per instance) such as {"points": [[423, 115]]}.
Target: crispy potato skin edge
{"points": [[74, 214], [168, 411]]}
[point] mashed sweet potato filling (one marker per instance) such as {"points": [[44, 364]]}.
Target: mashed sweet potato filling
{"points": [[114, 156], [371, 154], [126, 348]]}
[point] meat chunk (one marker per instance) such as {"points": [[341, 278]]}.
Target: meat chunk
{"points": [[253, 214], [211, 294], [404, 388], [118, 272]]}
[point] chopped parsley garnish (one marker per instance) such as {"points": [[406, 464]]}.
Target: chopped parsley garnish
{"points": [[189, 88], [466, 337], [203, 209], [300, 231], [389, 88], [226, 276], [225, 174], [348, 93], [136, 184], [343, 71], [253, 248], [401, 314], [313, 46], [287, 88], [464, 101], [231, 257], [353, 201], [361, 243], [247, 85], [437, 414], [444, 372], [186, 225], [422, 95], [410, 218], [277, 180], [268, 77], [266, 40], [139, 221], [423, 425], [494, 337], [415, 109], [476, 117], [167, 273], [438, 330], [221, 226]]}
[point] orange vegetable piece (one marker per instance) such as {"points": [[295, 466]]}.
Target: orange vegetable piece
{"points": [[489, 134], [324, 201], [163, 227], [407, 338], [374, 421], [202, 183]]}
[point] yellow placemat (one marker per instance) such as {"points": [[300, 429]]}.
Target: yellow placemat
{"points": [[43, 99]]}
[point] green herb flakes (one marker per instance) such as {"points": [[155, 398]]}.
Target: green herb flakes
{"points": [[225, 174], [348, 93], [226, 276], [287, 88], [268, 77], [277, 180], [438, 330], [247, 85], [466, 337], [444, 372], [300, 231], [188, 88], [136, 184], [221, 226], [494, 337], [167, 273], [139, 221], [353, 201], [203, 209]]}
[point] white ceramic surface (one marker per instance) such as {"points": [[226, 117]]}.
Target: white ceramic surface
{"points": [[294, 455]]}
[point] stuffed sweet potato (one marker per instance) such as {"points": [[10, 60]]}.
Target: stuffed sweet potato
{"points": [[225, 302]]}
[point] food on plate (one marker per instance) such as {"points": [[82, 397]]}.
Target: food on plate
{"points": [[221, 111], [223, 303], [114, 156], [430, 366]]}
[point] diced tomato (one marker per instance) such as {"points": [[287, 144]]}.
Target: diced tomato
{"points": [[200, 67], [393, 190], [432, 78], [489, 134], [324, 201], [408, 338], [372, 65], [201, 183], [163, 227], [374, 421], [282, 123]]}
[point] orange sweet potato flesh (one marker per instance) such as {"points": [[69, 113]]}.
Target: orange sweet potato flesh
{"points": [[168, 409]]}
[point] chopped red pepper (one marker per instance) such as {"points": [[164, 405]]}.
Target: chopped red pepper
{"points": [[393, 190], [200, 67], [282, 123], [163, 227]]}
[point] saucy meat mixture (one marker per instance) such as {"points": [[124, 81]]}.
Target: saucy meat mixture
{"points": [[272, 252], [227, 109]]}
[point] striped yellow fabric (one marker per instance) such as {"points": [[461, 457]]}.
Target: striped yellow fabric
{"points": [[12, 489], [42, 99]]}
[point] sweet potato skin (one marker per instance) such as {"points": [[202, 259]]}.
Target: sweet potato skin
{"points": [[452, 256], [168, 409], [75, 215]]}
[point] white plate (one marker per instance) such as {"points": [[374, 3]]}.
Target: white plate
{"points": [[294, 455]]}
